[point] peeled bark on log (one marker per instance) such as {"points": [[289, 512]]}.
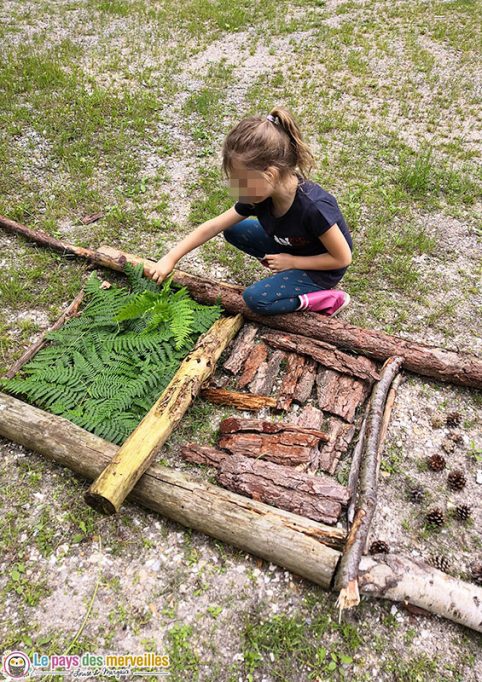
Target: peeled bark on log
{"points": [[287, 447], [326, 354], [258, 354], [397, 578], [318, 498], [341, 435], [288, 540], [71, 311], [340, 394], [136, 454], [235, 424], [305, 384], [243, 401], [294, 369], [266, 375], [439, 363], [242, 347], [347, 574]]}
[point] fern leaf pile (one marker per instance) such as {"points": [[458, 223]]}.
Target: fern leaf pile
{"points": [[104, 369]]}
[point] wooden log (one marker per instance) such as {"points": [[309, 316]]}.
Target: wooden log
{"points": [[289, 540], [341, 435], [306, 381], [294, 369], [242, 347], [347, 573], [265, 378], [439, 363], [258, 354], [340, 394], [136, 454], [71, 311], [235, 424], [242, 401], [394, 577], [294, 542], [326, 354], [286, 447]]}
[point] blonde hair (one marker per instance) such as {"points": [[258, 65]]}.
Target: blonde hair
{"points": [[259, 142]]}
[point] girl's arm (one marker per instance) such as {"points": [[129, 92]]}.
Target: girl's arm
{"points": [[338, 256], [200, 235]]}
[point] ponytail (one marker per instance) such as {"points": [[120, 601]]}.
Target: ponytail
{"points": [[304, 156]]}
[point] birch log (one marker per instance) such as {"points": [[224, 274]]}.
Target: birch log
{"points": [[108, 492]]}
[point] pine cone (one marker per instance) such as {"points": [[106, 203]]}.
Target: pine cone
{"points": [[448, 445], [456, 479], [476, 572], [453, 419], [416, 494], [456, 436], [440, 562], [437, 421], [435, 517], [436, 462], [463, 511], [379, 547]]}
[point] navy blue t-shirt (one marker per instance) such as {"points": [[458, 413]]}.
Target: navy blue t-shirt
{"points": [[313, 212]]}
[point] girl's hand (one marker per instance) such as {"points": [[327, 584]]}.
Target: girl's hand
{"points": [[162, 269], [277, 262]]}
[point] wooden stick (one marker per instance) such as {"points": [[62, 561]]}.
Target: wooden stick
{"points": [[355, 471], [243, 401], [235, 424], [288, 540], [347, 574], [440, 363], [108, 492], [70, 311]]}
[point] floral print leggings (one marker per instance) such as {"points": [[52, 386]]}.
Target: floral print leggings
{"points": [[276, 294]]}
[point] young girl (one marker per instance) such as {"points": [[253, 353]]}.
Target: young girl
{"points": [[299, 232]]}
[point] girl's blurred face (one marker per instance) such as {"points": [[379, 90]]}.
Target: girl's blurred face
{"points": [[249, 186]]}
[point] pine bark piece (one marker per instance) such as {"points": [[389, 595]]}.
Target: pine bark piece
{"points": [[326, 354], [258, 354], [341, 435], [347, 574], [243, 401], [242, 347], [71, 311], [136, 454], [340, 394], [306, 381], [318, 498], [310, 417], [202, 454], [287, 447], [294, 369], [266, 375], [235, 424], [440, 363]]}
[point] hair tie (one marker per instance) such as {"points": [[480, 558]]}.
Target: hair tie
{"points": [[274, 119]]}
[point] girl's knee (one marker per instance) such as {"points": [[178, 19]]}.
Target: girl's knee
{"points": [[255, 301]]}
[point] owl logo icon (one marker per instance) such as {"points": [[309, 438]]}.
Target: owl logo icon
{"points": [[16, 665]]}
